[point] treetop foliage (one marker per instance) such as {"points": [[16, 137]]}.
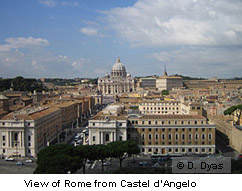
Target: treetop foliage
{"points": [[21, 84], [231, 109], [61, 158]]}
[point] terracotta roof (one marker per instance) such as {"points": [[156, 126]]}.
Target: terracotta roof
{"points": [[30, 116], [25, 98], [64, 104]]}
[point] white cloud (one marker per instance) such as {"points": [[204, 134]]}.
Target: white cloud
{"points": [[48, 3], [80, 64], [34, 62], [179, 22], [89, 31], [65, 3], [53, 3], [201, 62], [20, 42]]}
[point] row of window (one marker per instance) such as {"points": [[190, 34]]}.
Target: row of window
{"points": [[161, 108], [29, 151], [159, 112], [161, 103], [176, 129], [177, 143], [107, 138], [93, 124], [183, 136], [3, 123], [15, 139], [176, 150], [173, 122]]}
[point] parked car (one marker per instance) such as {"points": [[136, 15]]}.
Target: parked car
{"points": [[107, 163], [9, 159], [239, 156], [143, 163], [19, 163], [90, 162], [29, 161]]}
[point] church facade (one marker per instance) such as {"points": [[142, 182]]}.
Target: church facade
{"points": [[118, 82]]}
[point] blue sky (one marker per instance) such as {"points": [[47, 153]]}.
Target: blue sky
{"points": [[82, 38]]}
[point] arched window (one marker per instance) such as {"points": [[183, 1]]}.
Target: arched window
{"points": [[210, 136], [156, 136], [203, 136], [150, 136]]}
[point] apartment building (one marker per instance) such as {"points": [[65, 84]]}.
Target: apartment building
{"points": [[172, 134], [160, 107], [171, 107], [166, 134], [69, 112], [108, 126], [25, 132]]}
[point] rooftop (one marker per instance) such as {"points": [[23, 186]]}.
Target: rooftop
{"points": [[30, 113]]}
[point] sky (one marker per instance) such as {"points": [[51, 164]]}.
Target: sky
{"points": [[83, 38]]}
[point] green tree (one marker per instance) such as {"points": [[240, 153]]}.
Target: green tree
{"points": [[231, 109], [236, 166], [58, 159], [86, 152], [103, 152], [121, 149], [58, 164], [165, 92], [5, 84]]}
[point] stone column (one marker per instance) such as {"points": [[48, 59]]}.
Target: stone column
{"points": [[21, 139], [10, 139], [103, 89], [101, 137], [114, 136], [111, 137], [112, 89]]}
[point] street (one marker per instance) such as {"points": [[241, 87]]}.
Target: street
{"points": [[10, 167]]}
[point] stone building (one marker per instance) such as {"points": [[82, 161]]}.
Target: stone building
{"points": [[171, 107], [165, 134], [108, 126], [25, 132], [166, 82], [118, 82], [172, 134]]}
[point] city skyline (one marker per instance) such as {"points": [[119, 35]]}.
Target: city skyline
{"points": [[68, 39]]}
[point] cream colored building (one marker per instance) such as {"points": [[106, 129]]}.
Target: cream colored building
{"points": [[108, 126], [166, 82], [118, 82], [25, 132], [172, 134], [160, 107], [155, 134], [171, 107]]}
